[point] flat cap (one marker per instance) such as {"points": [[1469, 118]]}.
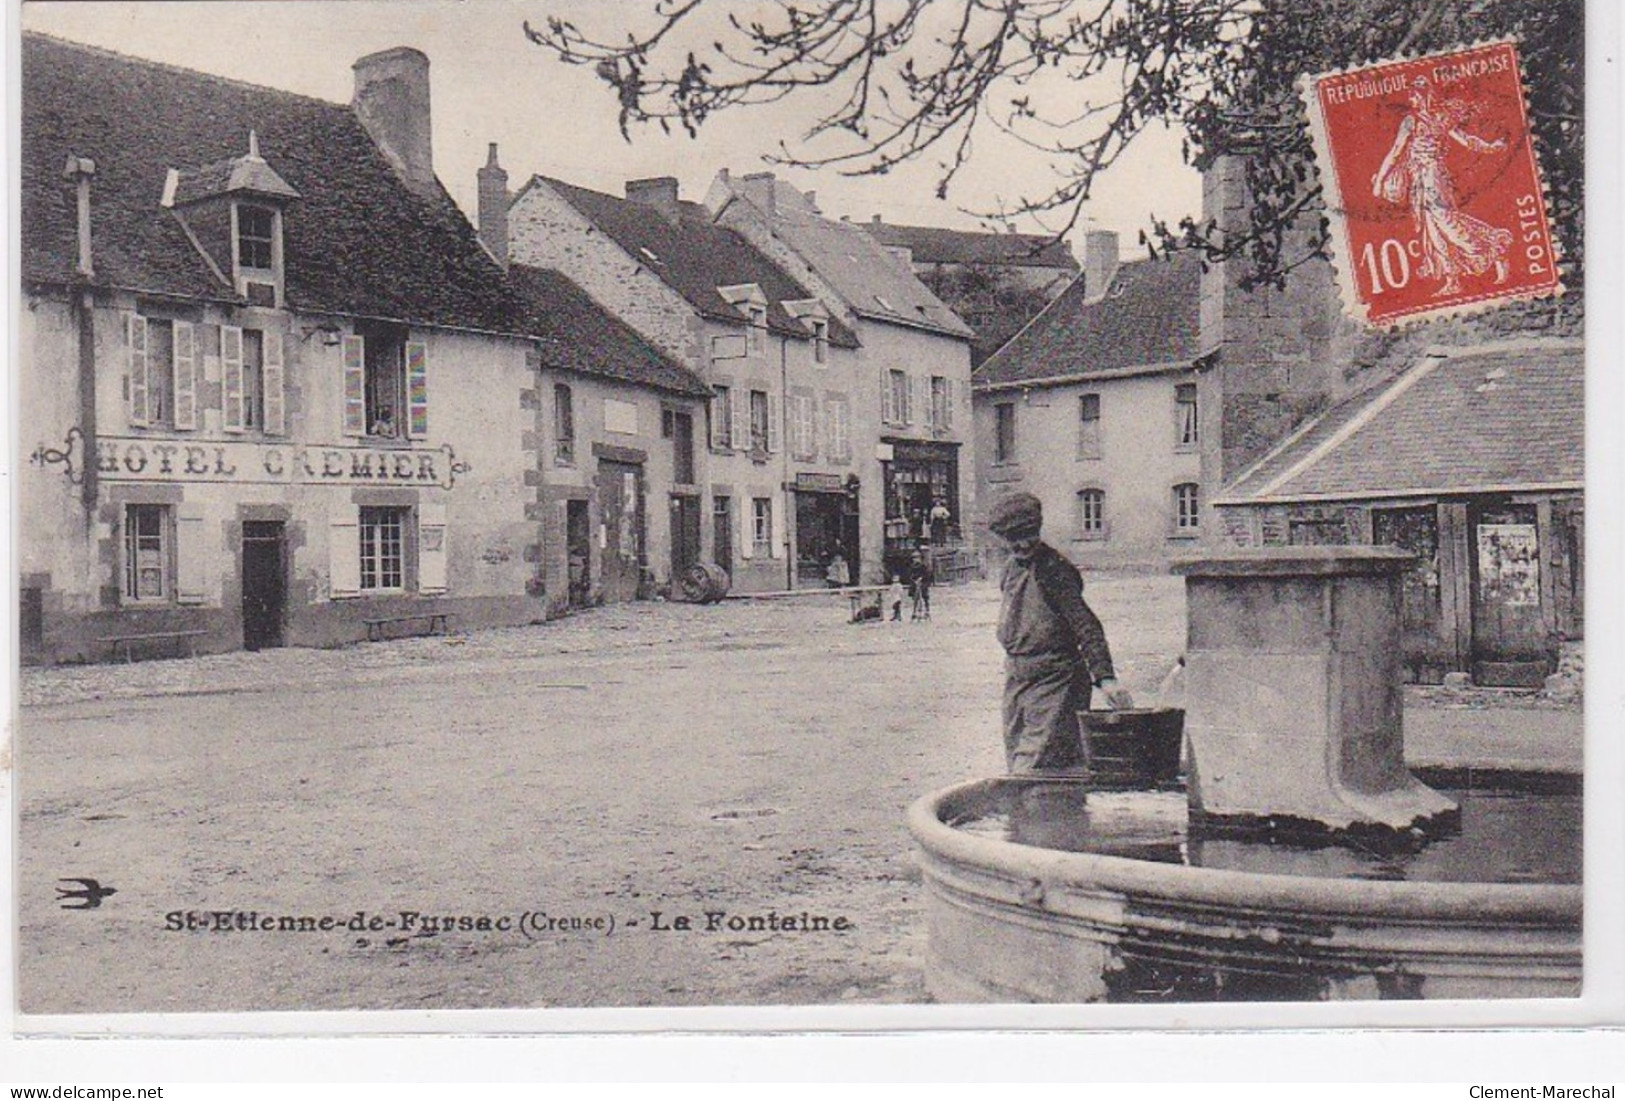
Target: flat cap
{"points": [[1016, 514]]}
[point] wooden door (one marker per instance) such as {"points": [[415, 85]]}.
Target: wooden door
{"points": [[1510, 644], [264, 584]]}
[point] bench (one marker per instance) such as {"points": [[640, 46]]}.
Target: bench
{"points": [[870, 599], [437, 623], [129, 641]]}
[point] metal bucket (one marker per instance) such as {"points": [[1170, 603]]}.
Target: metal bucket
{"points": [[1136, 748]]}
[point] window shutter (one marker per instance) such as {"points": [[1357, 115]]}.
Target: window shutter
{"points": [[135, 346], [344, 553], [231, 377], [185, 382], [717, 415], [432, 549], [776, 528], [775, 427], [738, 428], [947, 403], [888, 412], [355, 390], [191, 553], [417, 389], [272, 378], [747, 529], [811, 406], [911, 403]]}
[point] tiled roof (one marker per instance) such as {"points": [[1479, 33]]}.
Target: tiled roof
{"points": [[1147, 317], [694, 256], [874, 282], [1458, 420], [931, 245], [574, 333], [357, 241]]}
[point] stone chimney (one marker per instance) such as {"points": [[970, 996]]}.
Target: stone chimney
{"points": [[493, 212], [1099, 261], [658, 191], [392, 102], [759, 188], [80, 170]]}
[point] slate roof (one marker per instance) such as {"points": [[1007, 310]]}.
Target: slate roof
{"points": [[357, 242], [873, 282], [575, 334], [932, 245], [1148, 317], [694, 257], [1458, 420]]}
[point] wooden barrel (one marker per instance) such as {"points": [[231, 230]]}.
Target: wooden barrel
{"points": [[705, 583]]}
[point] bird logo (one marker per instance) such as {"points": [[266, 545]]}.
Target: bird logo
{"points": [[89, 898]]}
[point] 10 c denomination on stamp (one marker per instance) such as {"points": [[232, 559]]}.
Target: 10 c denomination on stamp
{"points": [[1432, 187]]}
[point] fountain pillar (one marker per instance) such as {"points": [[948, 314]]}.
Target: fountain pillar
{"points": [[1293, 679]]}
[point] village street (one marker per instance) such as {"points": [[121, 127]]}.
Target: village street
{"points": [[743, 758]]}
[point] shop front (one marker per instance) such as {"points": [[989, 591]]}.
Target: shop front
{"points": [[921, 482], [826, 526]]}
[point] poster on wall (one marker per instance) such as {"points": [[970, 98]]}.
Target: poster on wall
{"points": [[1509, 564]]}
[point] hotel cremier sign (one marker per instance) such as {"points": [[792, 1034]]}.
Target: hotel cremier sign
{"points": [[155, 459]]}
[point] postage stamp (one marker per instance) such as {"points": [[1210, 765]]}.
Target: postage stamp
{"points": [[1433, 190]]}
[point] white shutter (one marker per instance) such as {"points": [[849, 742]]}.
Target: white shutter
{"points": [[717, 413], [191, 554], [947, 403], [135, 347], [432, 549], [231, 377], [355, 388], [776, 548], [775, 426], [185, 375], [911, 399], [747, 528], [272, 382], [738, 426], [344, 553], [417, 389], [888, 408], [812, 426]]}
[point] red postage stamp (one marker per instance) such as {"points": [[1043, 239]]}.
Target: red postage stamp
{"points": [[1432, 187]]}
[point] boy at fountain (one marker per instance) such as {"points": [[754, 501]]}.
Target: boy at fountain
{"points": [[1055, 648]]}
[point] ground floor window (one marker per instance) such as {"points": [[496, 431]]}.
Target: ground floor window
{"points": [[1092, 513], [1187, 514], [147, 552], [762, 525], [383, 548]]}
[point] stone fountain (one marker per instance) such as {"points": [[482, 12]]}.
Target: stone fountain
{"points": [[1295, 723]]}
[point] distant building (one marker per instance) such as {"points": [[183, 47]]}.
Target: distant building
{"points": [[995, 282], [911, 393], [1093, 407], [773, 492], [1493, 509], [276, 391]]}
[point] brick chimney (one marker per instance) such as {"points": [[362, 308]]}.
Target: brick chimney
{"points": [[1099, 261], [493, 212], [392, 102], [656, 191]]}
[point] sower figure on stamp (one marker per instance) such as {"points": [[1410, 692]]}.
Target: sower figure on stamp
{"points": [[1054, 645]]}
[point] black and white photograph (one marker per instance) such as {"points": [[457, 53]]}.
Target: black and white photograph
{"points": [[865, 514]]}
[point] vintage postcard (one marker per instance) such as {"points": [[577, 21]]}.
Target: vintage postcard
{"points": [[558, 516]]}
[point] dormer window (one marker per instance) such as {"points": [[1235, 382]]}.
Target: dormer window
{"points": [[256, 236], [820, 331]]}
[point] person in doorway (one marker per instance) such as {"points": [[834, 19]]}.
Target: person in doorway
{"points": [[923, 577], [894, 598], [1055, 648], [837, 576], [939, 521]]}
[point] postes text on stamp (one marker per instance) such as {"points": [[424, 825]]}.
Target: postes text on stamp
{"points": [[1432, 187]]}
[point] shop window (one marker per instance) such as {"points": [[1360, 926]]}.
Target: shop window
{"points": [[383, 548], [1185, 419], [1092, 514], [1187, 509], [564, 425], [1004, 432], [148, 553], [1089, 426]]}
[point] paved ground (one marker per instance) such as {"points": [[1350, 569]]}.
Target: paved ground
{"points": [[746, 758]]}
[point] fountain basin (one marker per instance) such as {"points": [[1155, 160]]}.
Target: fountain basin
{"points": [[1010, 922]]}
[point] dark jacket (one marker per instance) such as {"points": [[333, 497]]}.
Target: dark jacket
{"points": [[1043, 613]]}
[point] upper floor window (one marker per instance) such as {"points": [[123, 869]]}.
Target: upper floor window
{"points": [[1091, 514], [678, 426], [803, 426], [1185, 420], [896, 406], [164, 366], [837, 425], [761, 421], [386, 384], [564, 424], [722, 417], [820, 331], [1004, 432], [1089, 426], [1187, 506], [942, 402], [758, 328], [256, 235]]}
